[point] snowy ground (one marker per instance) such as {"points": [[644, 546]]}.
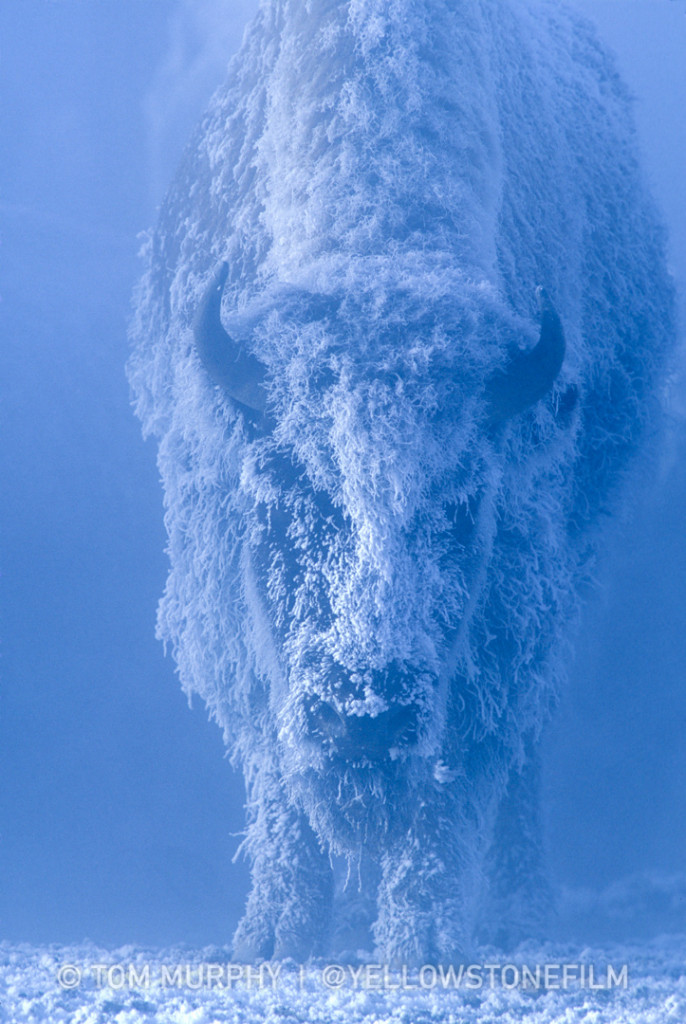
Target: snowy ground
{"points": [[653, 988]]}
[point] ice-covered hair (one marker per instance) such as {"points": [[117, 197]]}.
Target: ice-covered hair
{"points": [[389, 183]]}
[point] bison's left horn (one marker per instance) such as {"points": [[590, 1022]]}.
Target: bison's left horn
{"points": [[529, 375], [240, 374]]}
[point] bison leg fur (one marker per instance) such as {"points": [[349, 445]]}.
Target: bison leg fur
{"points": [[288, 910], [356, 884], [429, 891], [520, 895]]}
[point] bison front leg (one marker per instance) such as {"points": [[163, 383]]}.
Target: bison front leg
{"points": [[354, 913], [429, 892], [289, 907], [520, 895]]}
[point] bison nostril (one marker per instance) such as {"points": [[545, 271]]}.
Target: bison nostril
{"points": [[403, 726], [323, 720]]}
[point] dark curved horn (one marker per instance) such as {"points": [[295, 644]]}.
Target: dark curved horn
{"points": [[530, 375], [240, 374]]}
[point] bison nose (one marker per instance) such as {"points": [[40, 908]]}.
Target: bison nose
{"points": [[376, 736], [363, 736]]}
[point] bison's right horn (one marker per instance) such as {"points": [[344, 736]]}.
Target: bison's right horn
{"points": [[530, 375], [240, 374]]}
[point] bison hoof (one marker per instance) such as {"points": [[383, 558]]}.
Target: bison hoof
{"points": [[252, 941], [258, 940]]}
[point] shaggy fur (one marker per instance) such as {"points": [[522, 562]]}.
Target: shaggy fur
{"points": [[371, 588]]}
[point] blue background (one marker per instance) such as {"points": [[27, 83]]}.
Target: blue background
{"points": [[118, 812]]}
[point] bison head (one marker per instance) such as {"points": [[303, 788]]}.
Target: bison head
{"points": [[368, 525]]}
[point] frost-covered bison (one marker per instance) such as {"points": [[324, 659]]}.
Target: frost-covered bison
{"points": [[402, 328]]}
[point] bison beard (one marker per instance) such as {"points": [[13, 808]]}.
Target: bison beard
{"points": [[385, 448]]}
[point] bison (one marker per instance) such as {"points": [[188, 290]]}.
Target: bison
{"points": [[402, 331]]}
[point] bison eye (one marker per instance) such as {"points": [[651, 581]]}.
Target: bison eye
{"points": [[461, 517], [566, 404]]}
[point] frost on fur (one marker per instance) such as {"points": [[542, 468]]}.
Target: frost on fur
{"points": [[381, 477]]}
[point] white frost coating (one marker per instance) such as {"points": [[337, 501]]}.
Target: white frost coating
{"points": [[372, 596]]}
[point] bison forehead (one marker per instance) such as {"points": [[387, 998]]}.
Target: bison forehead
{"points": [[379, 386]]}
